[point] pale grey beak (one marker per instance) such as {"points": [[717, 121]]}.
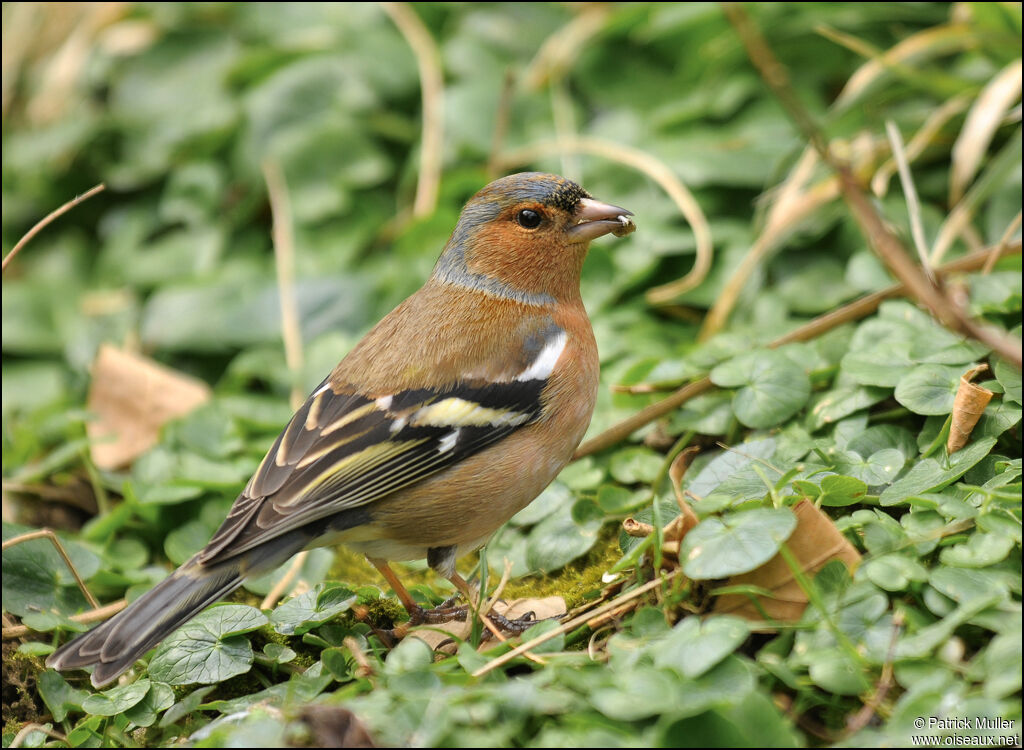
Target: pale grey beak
{"points": [[595, 219]]}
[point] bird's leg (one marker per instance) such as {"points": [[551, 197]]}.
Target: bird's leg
{"points": [[471, 593], [443, 561], [417, 614]]}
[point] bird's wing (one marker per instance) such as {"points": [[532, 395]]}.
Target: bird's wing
{"points": [[344, 450]]}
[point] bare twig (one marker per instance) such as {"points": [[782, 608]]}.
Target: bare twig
{"points": [[658, 171], [282, 587], [31, 727], [47, 220], [284, 258], [852, 311], [291, 329], [565, 627], [557, 53], [923, 138], [428, 62], [501, 116], [364, 668], [48, 534], [910, 193], [885, 682], [93, 615], [996, 251], [885, 244]]}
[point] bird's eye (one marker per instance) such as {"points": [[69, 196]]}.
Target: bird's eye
{"points": [[528, 219]]}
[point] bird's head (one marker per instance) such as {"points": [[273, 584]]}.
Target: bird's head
{"points": [[526, 236]]}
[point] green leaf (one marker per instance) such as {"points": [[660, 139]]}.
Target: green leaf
{"points": [[556, 495], [116, 700], [1002, 660], [708, 414], [638, 694], [834, 671], [838, 490], [313, 571], [184, 541], [929, 389], [1009, 377], [615, 500], [558, 540], [894, 572], [772, 386], [882, 437], [879, 469], [36, 578], [693, 647], [410, 655], [979, 551], [235, 312], [928, 474], [302, 613], [206, 649], [634, 465], [278, 653], [840, 402], [729, 464], [60, 698], [144, 713], [736, 543]]}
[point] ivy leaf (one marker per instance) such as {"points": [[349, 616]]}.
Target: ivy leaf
{"points": [[735, 543], [979, 551], [772, 387], [694, 646], [116, 700], [633, 465], [928, 475], [558, 540], [730, 463], [159, 698], [302, 613], [880, 468], [838, 490], [929, 389], [59, 696], [36, 578], [207, 649], [1009, 377]]}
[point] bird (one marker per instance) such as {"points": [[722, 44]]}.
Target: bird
{"points": [[454, 412]]}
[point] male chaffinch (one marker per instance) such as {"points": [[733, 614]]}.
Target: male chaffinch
{"points": [[454, 412]]}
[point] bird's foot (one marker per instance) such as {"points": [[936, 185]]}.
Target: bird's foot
{"points": [[515, 627]]}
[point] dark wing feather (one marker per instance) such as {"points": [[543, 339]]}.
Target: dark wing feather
{"points": [[342, 451]]}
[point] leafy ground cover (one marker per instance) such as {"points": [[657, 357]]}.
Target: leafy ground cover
{"points": [[757, 364]]}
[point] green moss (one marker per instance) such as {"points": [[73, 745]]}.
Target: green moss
{"points": [[575, 580], [385, 612], [236, 687]]}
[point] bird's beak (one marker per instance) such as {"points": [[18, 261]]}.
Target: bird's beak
{"points": [[595, 219]]}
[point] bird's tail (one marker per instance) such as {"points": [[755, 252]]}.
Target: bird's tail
{"points": [[116, 644]]}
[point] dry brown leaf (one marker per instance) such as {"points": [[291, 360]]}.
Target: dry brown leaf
{"points": [[968, 406], [815, 542], [133, 397], [983, 120]]}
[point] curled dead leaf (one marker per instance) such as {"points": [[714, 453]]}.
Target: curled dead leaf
{"points": [[815, 542], [968, 406]]}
